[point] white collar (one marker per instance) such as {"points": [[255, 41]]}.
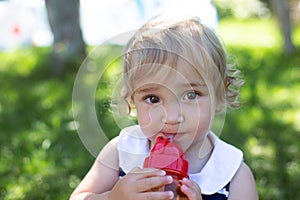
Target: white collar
{"points": [[217, 172], [220, 168]]}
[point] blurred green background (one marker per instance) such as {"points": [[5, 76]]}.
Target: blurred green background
{"points": [[42, 156]]}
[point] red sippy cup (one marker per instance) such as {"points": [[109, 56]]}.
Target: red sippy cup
{"points": [[168, 156]]}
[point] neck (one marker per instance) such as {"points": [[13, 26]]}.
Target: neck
{"points": [[198, 154]]}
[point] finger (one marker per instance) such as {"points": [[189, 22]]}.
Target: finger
{"points": [[190, 193], [149, 183], [147, 172], [191, 189], [190, 183], [157, 195]]}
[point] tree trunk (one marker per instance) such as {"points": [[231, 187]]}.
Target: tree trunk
{"points": [[282, 11], [69, 47]]}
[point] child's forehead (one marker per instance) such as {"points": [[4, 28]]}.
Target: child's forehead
{"points": [[181, 74]]}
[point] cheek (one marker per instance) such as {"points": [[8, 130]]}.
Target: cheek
{"points": [[205, 114], [144, 117], [201, 116], [149, 119]]}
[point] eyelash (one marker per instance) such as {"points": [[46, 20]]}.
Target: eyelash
{"points": [[196, 93], [149, 98]]}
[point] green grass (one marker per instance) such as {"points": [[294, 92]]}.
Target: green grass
{"points": [[267, 127], [254, 33], [42, 156], [250, 33]]}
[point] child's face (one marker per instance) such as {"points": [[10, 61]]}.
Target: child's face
{"points": [[177, 106]]}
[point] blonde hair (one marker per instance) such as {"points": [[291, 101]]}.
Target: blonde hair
{"points": [[164, 41]]}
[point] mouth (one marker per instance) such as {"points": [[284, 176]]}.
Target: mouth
{"points": [[168, 135]]}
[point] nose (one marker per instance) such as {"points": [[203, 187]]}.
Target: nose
{"points": [[173, 113]]}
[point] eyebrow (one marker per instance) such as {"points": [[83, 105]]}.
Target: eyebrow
{"points": [[147, 89], [195, 84]]}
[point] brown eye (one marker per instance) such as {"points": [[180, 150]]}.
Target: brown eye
{"points": [[152, 99]]}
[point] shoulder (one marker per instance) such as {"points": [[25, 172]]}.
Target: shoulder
{"points": [[243, 185], [125, 139], [132, 140], [109, 154], [103, 174]]}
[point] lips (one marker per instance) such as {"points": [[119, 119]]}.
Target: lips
{"points": [[166, 135], [172, 136], [169, 135]]}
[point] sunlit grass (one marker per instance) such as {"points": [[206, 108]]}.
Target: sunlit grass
{"points": [[296, 33], [250, 33], [267, 125], [21, 61]]}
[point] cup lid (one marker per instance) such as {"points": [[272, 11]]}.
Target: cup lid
{"points": [[167, 155]]}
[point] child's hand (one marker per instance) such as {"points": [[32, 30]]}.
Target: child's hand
{"points": [[191, 189], [137, 184]]}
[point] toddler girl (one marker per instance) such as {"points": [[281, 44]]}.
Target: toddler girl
{"points": [[176, 79]]}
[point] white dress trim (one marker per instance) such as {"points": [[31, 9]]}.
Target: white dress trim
{"points": [[219, 170]]}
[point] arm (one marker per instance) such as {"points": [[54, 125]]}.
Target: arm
{"points": [[102, 181], [102, 176], [243, 185]]}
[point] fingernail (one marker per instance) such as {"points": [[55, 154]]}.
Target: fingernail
{"points": [[184, 179], [171, 194], [169, 179], [162, 172], [183, 187]]}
